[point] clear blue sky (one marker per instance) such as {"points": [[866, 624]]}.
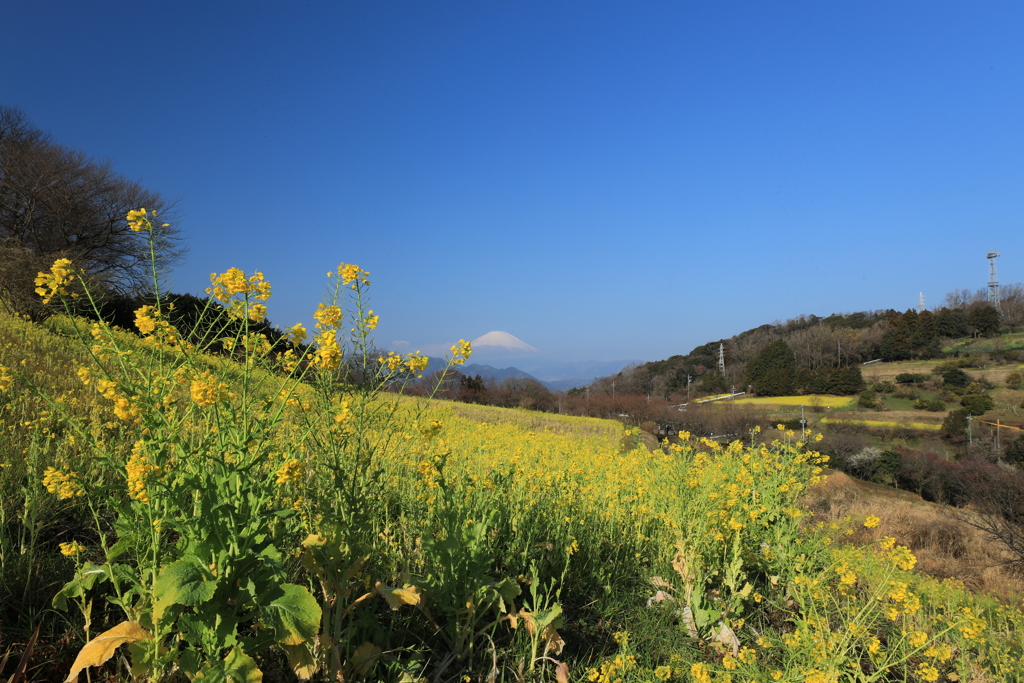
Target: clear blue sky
{"points": [[601, 179]]}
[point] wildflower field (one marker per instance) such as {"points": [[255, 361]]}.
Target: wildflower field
{"points": [[279, 511]]}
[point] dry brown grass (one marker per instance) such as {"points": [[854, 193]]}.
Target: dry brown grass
{"points": [[945, 547]]}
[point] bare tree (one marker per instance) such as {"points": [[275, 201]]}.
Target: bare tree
{"points": [[56, 202], [1011, 304], [996, 507]]}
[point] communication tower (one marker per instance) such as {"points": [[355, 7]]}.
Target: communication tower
{"points": [[721, 358], [920, 302], [993, 281]]}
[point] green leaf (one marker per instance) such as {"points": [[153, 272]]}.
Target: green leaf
{"points": [[117, 549], [76, 587], [548, 617], [184, 582], [294, 615], [237, 667]]}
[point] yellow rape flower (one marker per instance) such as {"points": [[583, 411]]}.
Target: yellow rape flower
{"points": [[461, 352], [327, 317], [6, 379], [871, 522], [917, 638], [140, 469], [65, 485], [71, 549], [290, 471], [138, 221], [296, 334], [49, 285], [352, 274], [145, 322], [205, 390]]}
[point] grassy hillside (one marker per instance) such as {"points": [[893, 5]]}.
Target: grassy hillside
{"points": [[226, 518]]}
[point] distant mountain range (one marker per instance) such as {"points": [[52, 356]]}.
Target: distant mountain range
{"points": [[561, 384], [500, 356]]}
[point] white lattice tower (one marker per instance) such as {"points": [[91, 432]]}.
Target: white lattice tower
{"points": [[993, 280]]}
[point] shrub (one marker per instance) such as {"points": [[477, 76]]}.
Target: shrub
{"points": [[911, 378], [869, 400], [955, 377], [977, 404], [1015, 451], [933, 405], [1013, 380], [955, 424]]}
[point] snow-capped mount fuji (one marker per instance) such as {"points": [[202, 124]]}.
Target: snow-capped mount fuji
{"points": [[496, 340]]}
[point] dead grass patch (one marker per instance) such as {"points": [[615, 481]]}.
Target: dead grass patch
{"points": [[945, 547]]}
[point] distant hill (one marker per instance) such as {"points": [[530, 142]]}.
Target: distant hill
{"points": [[818, 345]]}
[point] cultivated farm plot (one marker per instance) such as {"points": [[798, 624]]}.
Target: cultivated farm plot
{"points": [[892, 419], [810, 400], [887, 372]]}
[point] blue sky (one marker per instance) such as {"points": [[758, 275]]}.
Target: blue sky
{"points": [[603, 180]]}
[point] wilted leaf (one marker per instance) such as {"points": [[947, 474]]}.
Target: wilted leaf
{"points": [[101, 648], [691, 624], [726, 636], [396, 597], [660, 582], [314, 541], [294, 615], [554, 641], [363, 659], [302, 661], [562, 672], [659, 597]]}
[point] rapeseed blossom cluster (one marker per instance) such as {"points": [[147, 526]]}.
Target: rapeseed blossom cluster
{"points": [[71, 549], [461, 352], [140, 470], [64, 484], [54, 283], [141, 220], [228, 286], [351, 274], [206, 390], [290, 471]]}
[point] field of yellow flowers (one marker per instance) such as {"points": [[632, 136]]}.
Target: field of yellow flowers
{"points": [[170, 513]]}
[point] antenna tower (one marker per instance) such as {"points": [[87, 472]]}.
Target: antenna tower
{"points": [[993, 281], [721, 358], [920, 302]]}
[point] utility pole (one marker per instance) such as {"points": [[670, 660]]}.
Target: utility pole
{"points": [[803, 425], [970, 433], [688, 381]]}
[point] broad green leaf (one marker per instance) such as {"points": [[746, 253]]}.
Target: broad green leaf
{"points": [[549, 617], [237, 667], [117, 549], [101, 648], [183, 582], [294, 615], [363, 659], [76, 587]]}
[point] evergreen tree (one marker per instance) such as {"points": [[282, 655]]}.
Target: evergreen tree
{"points": [[777, 359], [985, 319]]}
